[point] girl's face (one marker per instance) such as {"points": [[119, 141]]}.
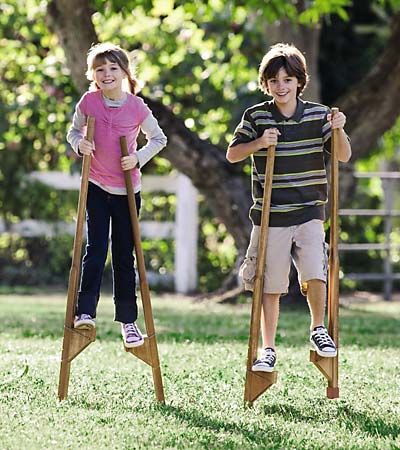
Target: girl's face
{"points": [[283, 89], [109, 77]]}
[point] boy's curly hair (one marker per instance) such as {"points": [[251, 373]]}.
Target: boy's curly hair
{"points": [[285, 56]]}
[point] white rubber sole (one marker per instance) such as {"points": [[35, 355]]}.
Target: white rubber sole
{"points": [[262, 369], [84, 325], [133, 344], [321, 353]]}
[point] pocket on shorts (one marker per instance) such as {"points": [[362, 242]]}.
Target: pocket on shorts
{"points": [[326, 259], [247, 271]]}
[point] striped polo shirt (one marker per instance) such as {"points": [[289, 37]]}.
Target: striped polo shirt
{"points": [[299, 184]]}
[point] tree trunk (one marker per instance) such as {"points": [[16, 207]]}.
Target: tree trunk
{"points": [[225, 188], [71, 21]]}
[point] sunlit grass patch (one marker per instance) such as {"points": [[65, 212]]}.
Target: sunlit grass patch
{"points": [[203, 348]]}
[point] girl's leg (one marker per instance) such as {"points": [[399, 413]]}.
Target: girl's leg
{"points": [[269, 319], [97, 222], [123, 262]]}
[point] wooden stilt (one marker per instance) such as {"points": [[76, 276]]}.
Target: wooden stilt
{"points": [[258, 382], [75, 341], [329, 367], [148, 352]]}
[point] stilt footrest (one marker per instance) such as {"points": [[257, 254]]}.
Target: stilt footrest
{"points": [[328, 368], [79, 340], [257, 383], [148, 354], [324, 365], [144, 352]]}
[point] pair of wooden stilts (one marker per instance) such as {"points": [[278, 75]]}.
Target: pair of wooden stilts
{"points": [[259, 382], [75, 340]]}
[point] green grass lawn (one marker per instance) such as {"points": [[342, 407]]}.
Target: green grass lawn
{"points": [[203, 348]]}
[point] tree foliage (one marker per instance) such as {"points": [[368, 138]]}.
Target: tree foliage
{"points": [[35, 104], [199, 59]]}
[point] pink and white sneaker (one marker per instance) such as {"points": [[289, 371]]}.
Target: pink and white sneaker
{"points": [[84, 322], [131, 335]]}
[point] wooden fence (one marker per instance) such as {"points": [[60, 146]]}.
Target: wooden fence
{"points": [[184, 230], [387, 276]]}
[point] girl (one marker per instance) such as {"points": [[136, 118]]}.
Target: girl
{"points": [[111, 100]]}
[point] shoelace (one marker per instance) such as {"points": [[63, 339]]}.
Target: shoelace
{"points": [[131, 330], [268, 358], [86, 316], [322, 338]]}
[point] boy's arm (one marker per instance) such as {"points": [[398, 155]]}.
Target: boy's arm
{"points": [[240, 152], [343, 146], [343, 142]]}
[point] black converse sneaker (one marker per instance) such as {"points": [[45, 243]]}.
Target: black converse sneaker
{"points": [[266, 362], [322, 343]]}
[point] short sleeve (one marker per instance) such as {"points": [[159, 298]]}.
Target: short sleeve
{"points": [[82, 104], [142, 110], [245, 131], [326, 132]]}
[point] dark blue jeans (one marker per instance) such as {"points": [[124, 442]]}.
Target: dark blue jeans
{"points": [[103, 209]]}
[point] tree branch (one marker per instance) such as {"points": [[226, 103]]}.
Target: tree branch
{"points": [[373, 105]]}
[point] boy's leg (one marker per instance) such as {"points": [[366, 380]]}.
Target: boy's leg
{"points": [[311, 260], [309, 254], [316, 295], [269, 319], [320, 340], [276, 279]]}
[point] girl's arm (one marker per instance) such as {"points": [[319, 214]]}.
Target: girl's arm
{"points": [[75, 135], [156, 140]]}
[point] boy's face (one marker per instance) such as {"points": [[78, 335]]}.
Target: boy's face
{"points": [[283, 89]]}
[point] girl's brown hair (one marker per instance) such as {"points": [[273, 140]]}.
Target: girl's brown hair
{"points": [[287, 57], [99, 53]]}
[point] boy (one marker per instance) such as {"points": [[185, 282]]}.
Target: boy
{"points": [[301, 132]]}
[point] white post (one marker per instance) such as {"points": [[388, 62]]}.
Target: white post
{"points": [[186, 233], [387, 263]]}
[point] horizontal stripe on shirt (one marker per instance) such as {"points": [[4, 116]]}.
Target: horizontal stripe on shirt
{"points": [[299, 184]]}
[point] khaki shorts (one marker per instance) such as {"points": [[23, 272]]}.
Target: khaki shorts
{"points": [[304, 244]]}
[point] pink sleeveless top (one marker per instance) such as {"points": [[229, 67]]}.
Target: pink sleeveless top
{"points": [[111, 124]]}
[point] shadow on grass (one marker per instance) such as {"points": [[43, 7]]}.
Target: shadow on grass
{"points": [[346, 415], [375, 426], [205, 323], [267, 435], [350, 418], [253, 434]]}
